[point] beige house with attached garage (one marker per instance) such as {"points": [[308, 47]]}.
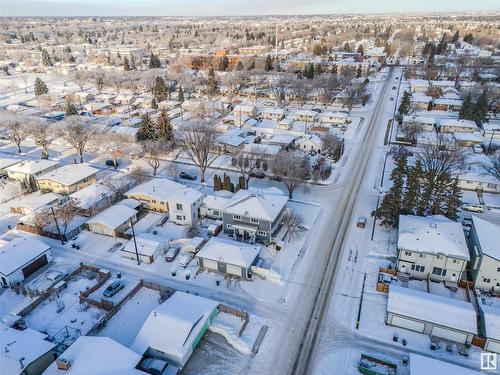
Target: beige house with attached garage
{"points": [[68, 178], [27, 169], [33, 202], [432, 247], [431, 314], [484, 248], [457, 126]]}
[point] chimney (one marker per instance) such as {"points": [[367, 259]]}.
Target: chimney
{"points": [[63, 364]]}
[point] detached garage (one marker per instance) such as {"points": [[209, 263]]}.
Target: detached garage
{"points": [[21, 258], [228, 257], [419, 311], [490, 324]]}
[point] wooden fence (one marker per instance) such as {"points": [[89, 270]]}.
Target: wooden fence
{"points": [[243, 315]]}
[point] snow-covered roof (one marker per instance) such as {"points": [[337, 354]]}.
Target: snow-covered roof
{"points": [[432, 234], [420, 119], [69, 174], [36, 200], [113, 216], [90, 195], [458, 123], [229, 251], [186, 194], [21, 346], [256, 205], [488, 235], [19, 252], [420, 365], [256, 148], [147, 244], [158, 188], [215, 202], [32, 166], [92, 355], [433, 308], [7, 162], [172, 327], [491, 321]]}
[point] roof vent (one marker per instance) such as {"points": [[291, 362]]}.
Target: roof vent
{"points": [[63, 363]]}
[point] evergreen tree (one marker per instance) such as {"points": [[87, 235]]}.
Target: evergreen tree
{"points": [[217, 183], [46, 60], [164, 129], [360, 50], [241, 183], [40, 87], [453, 201], [404, 107], [391, 205], [132, 63], [466, 109], [126, 64], [153, 104], [429, 106], [413, 188], [159, 89], [481, 108], [268, 63], [239, 66], [154, 61], [224, 63], [455, 37], [212, 83], [71, 109], [335, 68], [359, 72], [227, 184], [146, 130], [310, 73], [438, 195], [180, 95]]}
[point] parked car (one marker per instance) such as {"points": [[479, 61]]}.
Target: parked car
{"points": [[113, 288], [275, 178], [391, 99], [258, 174], [473, 208], [51, 279], [477, 149], [184, 259], [171, 253], [394, 87], [154, 366], [111, 163], [269, 103], [361, 223], [187, 176]]}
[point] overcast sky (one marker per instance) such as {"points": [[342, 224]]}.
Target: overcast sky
{"points": [[232, 7]]}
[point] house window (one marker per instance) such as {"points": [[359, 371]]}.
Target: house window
{"points": [[216, 213], [154, 201], [408, 253], [439, 271], [418, 268], [485, 280], [178, 206], [256, 221], [179, 217], [421, 255], [455, 260], [261, 232], [237, 217], [229, 226], [498, 269]]}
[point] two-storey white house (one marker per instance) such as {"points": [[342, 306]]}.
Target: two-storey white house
{"points": [[432, 247], [184, 206]]}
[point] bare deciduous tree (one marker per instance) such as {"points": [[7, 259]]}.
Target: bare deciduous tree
{"points": [[198, 143], [294, 224], [114, 144], [43, 135], [14, 129], [412, 131], [441, 157], [493, 167], [138, 175], [332, 145], [80, 78], [278, 88], [248, 163], [64, 214], [152, 152], [290, 167], [77, 132]]}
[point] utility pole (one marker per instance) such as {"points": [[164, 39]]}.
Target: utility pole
{"points": [[491, 139], [135, 242], [57, 225]]}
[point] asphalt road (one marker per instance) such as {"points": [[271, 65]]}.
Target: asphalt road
{"points": [[309, 307]]}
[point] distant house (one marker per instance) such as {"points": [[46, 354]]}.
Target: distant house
{"points": [[21, 258], [163, 195], [485, 254], [264, 151], [26, 352], [432, 246], [113, 220], [228, 257], [231, 141], [273, 114], [29, 169], [431, 314], [476, 180], [149, 247], [33, 202], [7, 162], [68, 178], [333, 118], [304, 115], [427, 123], [245, 110], [310, 143], [457, 126], [253, 215], [421, 102], [184, 319], [447, 104], [212, 206]]}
